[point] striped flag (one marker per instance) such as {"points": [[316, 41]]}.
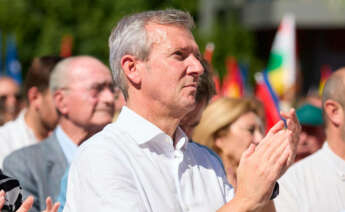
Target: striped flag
{"points": [[326, 71], [233, 85], [269, 99], [281, 67]]}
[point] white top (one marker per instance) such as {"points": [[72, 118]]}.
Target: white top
{"points": [[132, 166], [317, 183], [15, 135]]}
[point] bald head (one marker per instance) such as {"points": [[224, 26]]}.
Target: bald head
{"points": [[9, 91], [8, 84], [335, 88], [63, 75]]}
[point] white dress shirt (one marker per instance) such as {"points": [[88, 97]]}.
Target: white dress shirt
{"points": [[15, 135], [133, 166], [316, 183]]}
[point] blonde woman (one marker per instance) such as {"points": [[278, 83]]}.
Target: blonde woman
{"points": [[228, 126]]}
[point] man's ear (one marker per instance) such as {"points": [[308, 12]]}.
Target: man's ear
{"points": [[130, 66], [60, 101], [34, 97], [334, 112]]}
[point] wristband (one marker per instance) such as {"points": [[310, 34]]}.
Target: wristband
{"points": [[275, 191]]}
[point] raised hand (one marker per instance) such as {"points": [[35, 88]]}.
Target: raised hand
{"points": [[50, 206], [294, 126]]}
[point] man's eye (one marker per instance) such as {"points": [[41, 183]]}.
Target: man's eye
{"points": [[179, 55]]}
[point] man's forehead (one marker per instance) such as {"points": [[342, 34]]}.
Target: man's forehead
{"points": [[158, 32], [90, 75]]}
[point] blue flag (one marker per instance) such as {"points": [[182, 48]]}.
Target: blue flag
{"points": [[1, 69], [13, 68]]}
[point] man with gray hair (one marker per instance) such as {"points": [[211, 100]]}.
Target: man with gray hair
{"points": [[83, 95], [143, 161], [317, 183]]}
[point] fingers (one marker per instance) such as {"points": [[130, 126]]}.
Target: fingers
{"points": [[55, 207], [276, 128], [2, 199], [50, 206], [291, 118], [27, 204], [249, 151]]}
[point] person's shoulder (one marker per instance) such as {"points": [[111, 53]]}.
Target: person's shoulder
{"points": [[106, 136], [8, 128], [32, 151], [203, 153], [109, 139], [303, 170]]}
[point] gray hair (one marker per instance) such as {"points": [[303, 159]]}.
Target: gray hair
{"points": [[130, 37], [58, 77]]}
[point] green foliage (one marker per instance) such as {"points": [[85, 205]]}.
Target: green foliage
{"points": [[39, 26], [231, 39]]}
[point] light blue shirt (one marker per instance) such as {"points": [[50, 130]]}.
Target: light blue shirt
{"points": [[63, 190], [69, 148]]}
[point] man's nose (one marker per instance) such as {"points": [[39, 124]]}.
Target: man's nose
{"points": [[107, 95], [195, 66]]}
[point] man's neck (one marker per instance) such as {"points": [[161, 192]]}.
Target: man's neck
{"points": [[156, 115], [77, 134], [33, 121], [336, 143]]}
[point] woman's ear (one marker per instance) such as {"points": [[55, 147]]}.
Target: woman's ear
{"points": [[219, 141], [131, 68]]}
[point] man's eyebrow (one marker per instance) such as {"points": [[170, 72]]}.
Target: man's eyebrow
{"points": [[188, 49]]}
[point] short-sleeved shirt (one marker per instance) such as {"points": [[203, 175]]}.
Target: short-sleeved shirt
{"points": [[132, 165], [316, 183]]}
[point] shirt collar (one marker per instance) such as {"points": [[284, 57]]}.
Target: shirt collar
{"points": [[69, 148], [144, 131]]}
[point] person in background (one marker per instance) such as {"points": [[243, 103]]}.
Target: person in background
{"points": [[83, 94], [229, 126], [317, 183], [10, 103], [313, 130], [39, 118]]}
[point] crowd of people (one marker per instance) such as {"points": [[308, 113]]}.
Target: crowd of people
{"points": [[145, 135]]}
